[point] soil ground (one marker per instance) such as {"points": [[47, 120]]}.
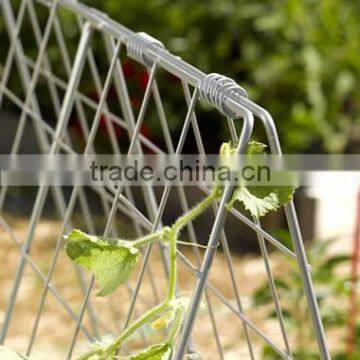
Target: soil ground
{"points": [[56, 326]]}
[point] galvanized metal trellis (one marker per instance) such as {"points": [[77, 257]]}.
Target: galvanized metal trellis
{"points": [[218, 91]]}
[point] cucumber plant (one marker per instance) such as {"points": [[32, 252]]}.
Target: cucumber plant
{"points": [[112, 261]]}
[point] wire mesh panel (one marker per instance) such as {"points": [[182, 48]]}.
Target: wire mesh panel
{"points": [[65, 73]]}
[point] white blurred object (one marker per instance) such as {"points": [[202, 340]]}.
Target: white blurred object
{"points": [[335, 208]]}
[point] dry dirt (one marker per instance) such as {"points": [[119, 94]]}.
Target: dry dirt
{"points": [[56, 326]]}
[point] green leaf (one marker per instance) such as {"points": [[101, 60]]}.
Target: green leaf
{"points": [[333, 261], [255, 205], [259, 200], [162, 351], [7, 354], [111, 261], [262, 295], [227, 149], [268, 353], [283, 194], [256, 148]]}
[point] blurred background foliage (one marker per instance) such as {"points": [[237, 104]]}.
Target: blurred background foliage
{"points": [[297, 58], [333, 290]]}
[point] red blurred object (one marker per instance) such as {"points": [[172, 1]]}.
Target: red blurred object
{"points": [[145, 131], [143, 80], [76, 126], [128, 68], [103, 127], [355, 259], [111, 95], [135, 102]]}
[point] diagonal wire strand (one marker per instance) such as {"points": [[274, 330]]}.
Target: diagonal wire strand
{"points": [[114, 207]]}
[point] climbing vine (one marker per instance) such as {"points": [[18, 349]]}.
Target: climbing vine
{"points": [[112, 261]]}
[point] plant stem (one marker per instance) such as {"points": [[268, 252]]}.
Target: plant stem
{"points": [[173, 237], [191, 244], [148, 238], [170, 234], [143, 319], [115, 345], [173, 265], [90, 353], [194, 212], [176, 326]]}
